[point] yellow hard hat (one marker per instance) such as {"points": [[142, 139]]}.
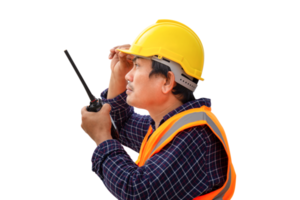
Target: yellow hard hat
{"points": [[174, 41]]}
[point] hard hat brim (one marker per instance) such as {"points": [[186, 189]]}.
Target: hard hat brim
{"points": [[124, 51], [130, 52]]}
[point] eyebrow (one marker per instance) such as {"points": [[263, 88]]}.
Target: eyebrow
{"points": [[135, 59]]}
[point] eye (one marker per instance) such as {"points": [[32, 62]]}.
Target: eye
{"points": [[136, 65]]}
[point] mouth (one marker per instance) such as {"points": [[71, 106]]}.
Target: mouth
{"points": [[129, 89]]}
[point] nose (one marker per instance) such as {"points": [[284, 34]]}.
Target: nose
{"points": [[129, 75]]}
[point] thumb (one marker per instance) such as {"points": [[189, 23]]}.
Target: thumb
{"points": [[123, 58], [106, 108]]}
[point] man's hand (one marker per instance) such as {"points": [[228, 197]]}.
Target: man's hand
{"points": [[121, 64], [97, 124]]}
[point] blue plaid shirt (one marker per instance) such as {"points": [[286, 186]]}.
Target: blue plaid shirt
{"points": [[192, 164]]}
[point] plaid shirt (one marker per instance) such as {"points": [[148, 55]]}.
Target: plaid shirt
{"points": [[192, 164]]}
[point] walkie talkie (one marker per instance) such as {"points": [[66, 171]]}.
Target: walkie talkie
{"points": [[95, 104]]}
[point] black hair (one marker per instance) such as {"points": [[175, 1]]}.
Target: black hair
{"points": [[181, 93]]}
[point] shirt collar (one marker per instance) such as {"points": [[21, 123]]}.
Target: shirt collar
{"points": [[189, 105]]}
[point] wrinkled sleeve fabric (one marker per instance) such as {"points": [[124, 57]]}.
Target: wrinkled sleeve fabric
{"points": [[132, 127], [178, 171]]}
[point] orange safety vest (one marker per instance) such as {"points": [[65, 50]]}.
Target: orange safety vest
{"points": [[179, 122]]}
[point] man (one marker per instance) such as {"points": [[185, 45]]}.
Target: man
{"points": [[183, 149]]}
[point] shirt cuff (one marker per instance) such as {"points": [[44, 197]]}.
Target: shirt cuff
{"points": [[99, 154]]}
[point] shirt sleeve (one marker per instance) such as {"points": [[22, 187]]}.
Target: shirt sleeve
{"points": [[132, 127], [178, 171]]}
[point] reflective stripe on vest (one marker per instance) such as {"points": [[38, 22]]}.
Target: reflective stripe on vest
{"points": [[187, 119]]}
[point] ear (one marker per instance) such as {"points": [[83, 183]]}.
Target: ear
{"points": [[169, 83]]}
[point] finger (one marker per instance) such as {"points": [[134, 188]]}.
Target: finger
{"points": [[122, 48], [111, 50], [122, 57], [84, 110], [126, 59], [114, 50], [122, 54], [130, 57], [122, 45], [112, 53], [126, 45], [108, 56], [117, 46], [116, 56]]}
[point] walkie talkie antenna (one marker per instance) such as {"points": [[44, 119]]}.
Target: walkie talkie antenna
{"points": [[78, 73], [95, 104]]}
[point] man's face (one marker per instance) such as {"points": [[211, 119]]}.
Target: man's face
{"points": [[142, 91]]}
